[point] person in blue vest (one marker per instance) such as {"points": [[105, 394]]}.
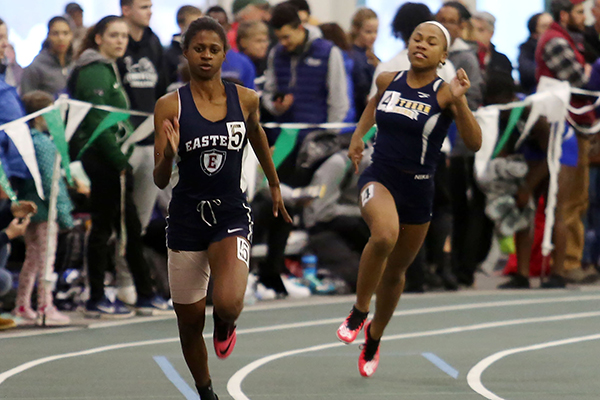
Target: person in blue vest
{"points": [[305, 81], [413, 110], [204, 127], [305, 76]]}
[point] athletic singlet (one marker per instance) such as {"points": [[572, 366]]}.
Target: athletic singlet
{"points": [[210, 154], [411, 127]]}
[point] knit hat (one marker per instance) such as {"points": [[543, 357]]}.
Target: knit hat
{"points": [[239, 5]]}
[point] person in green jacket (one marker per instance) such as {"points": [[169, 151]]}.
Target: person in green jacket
{"points": [[95, 79]]}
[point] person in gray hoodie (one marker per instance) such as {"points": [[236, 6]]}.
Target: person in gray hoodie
{"points": [[51, 67]]}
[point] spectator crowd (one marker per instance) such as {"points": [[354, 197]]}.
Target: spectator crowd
{"points": [[109, 258]]}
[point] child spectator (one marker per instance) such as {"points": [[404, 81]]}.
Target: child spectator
{"points": [[36, 235]]}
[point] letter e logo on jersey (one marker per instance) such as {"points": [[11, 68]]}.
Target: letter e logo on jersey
{"points": [[212, 161], [237, 132]]}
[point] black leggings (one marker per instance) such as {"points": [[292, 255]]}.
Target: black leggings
{"points": [[105, 208]]}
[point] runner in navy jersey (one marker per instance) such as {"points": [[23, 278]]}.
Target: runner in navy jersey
{"points": [[413, 110], [204, 127]]}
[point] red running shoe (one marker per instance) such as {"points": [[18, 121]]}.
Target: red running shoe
{"points": [[350, 328], [368, 361], [224, 337]]}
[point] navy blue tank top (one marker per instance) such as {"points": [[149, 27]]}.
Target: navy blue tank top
{"points": [[411, 127], [209, 160]]}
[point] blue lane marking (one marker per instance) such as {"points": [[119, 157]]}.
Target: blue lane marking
{"points": [[175, 378], [441, 364]]}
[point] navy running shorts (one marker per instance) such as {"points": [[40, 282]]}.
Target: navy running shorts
{"points": [[413, 193], [194, 226]]}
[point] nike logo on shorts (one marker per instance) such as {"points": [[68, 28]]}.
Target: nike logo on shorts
{"points": [[234, 230]]}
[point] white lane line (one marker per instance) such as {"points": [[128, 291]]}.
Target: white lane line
{"points": [[28, 365], [285, 304], [234, 385], [38, 333], [474, 375], [418, 311]]}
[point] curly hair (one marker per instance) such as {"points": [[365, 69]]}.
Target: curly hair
{"points": [[408, 17]]}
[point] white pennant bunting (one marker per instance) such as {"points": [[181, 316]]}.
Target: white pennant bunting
{"points": [[77, 112], [21, 137], [142, 132], [487, 118]]}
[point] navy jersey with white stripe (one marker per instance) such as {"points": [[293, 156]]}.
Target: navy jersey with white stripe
{"points": [[411, 126], [210, 153]]}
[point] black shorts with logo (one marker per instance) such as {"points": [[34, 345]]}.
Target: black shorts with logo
{"points": [[194, 225], [412, 193]]}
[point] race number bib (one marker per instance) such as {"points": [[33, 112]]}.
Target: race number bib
{"points": [[367, 194], [243, 251], [237, 133]]}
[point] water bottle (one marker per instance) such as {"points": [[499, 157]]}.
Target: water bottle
{"points": [[309, 264], [309, 271]]}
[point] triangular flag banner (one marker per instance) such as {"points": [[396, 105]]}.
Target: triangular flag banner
{"points": [[77, 112], [56, 128], [487, 118], [141, 133], [370, 134], [284, 145], [111, 119], [5, 184], [21, 136], [515, 116]]}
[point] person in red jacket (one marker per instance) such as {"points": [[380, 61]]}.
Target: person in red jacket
{"points": [[559, 56]]}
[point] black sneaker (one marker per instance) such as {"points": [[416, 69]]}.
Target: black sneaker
{"points": [[350, 328], [554, 282], [206, 392], [515, 282]]}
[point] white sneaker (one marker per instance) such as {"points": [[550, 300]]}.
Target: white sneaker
{"points": [[50, 316], [127, 294], [294, 288], [264, 293], [249, 295], [25, 315]]}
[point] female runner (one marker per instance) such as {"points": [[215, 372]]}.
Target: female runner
{"points": [[204, 127], [413, 110]]}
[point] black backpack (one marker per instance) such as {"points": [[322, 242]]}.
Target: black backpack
{"points": [[316, 147]]}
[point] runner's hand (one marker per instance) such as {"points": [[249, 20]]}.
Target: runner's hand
{"points": [[278, 204], [172, 132], [355, 152]]}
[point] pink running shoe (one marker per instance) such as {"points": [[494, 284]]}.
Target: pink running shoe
{"points": [[27, 315], [50, 316], [350, 328], [368, 361], [224, 337]]}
